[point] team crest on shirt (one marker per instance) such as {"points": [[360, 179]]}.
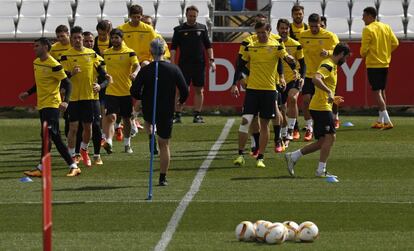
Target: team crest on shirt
{"points": [[185, 33], [142, 36], [121, 57], [198, 33], [269, 49], [327, 128], [320, 42]]}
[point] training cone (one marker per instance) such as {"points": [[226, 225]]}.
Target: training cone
{"points": [[347, 124], [26, 179], [332, 179]]}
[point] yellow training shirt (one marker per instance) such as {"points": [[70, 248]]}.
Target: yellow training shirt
{"points": [[57, 50], [312, 47], [378, 41], [139, 38], [295, 31], [119, 65], [102, 45], [48, 75], [294, 49], [328, 70], [82, 82], [263, 59]]}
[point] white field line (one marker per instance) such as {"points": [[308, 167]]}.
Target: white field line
{"points": [[195, 186]]}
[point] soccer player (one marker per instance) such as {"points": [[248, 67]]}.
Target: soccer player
{"points": [[63, 42], [170, 78], [123, 65], [148, 20], [49, 78], [378, 42], [294, 82], [192, 39], [297, 26], [263, 57], [102, 41], [81, 63], [88, 42], [317, 45], [325, 80]]}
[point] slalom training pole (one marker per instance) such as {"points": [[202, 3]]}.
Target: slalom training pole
{"points": [[154, 109], [47, 190]]}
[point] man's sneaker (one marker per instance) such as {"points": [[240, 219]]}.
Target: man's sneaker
{"points": [[119, 134], [337, 123], [290, 164], [97, 160], [279, 146], [254, 152], [239, 161], [107, 147], [128, 149], [85, 157], [377, 125], [163, 183], [177, 120], [289, 135], [324, 174], [198, 119], [134, 132], [33, 173], [308, 135], [77, 158], [387, 126], [260, 163], [296, 134], [74, 172]]}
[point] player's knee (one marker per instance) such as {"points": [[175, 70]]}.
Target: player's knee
{"points": [[245, 123]]}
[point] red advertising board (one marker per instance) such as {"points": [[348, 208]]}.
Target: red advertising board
{"points": [[17, 75]]}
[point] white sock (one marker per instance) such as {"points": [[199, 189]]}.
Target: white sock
{"points": [[109, 141], [84, 146], [96, 155], [291, 123], [380, 117], [386, 116], [321, 167], [252, 142], [127, 141], [337, 116], [296, 155], [72, 151], [283, 131], [73, 166], [40, 167], [103, 135], [309, 124]]}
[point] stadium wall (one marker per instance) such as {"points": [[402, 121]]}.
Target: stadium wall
{"points": [[17, 76]]}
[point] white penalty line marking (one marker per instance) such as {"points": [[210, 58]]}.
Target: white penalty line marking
{"points": [[195, 187]]}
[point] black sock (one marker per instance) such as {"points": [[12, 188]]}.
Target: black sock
{"points": [[241, 152], [256, 137], [163, 176], [155, 144], [260, 156], [296, 127], [196, 113], [276, 130]]}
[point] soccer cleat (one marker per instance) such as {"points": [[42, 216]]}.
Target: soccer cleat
{"points": [[260, 163], [308, 135], [33, 173], [337, 123], [377, 125], [254, 152], [296, 134], [107, 147], [290, 164], [77, 158], [239, 161], [119, 134], [279, 146], [177, 120], [163, 183], [85, 157], [324, 174], [134, 132], [74, 172], [387, 126], [128, 149], [97, 160], [198, 119]]}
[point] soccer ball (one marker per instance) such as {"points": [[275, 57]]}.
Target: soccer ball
{"points": [[261, 229], [276, 233], [308, 231], [292, 228], [245, 231]]}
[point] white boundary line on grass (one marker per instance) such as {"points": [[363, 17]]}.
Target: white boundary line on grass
{"points": [[195, 187]]}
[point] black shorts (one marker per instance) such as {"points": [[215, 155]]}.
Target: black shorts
{"points": [[292, 84], [81, 110], [260, 101], [96, 111], [164, 125], [121, 105], [323, 123], [194, 74], [308, 87], [51, 116], [377, 78]]}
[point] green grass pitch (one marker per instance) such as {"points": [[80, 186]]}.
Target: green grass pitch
{"points": [[371, 208]]}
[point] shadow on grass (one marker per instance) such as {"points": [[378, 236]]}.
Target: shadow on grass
{"points": [[268, 178], [92, 188]]}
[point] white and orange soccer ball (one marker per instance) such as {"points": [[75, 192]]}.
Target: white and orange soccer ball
{"points": [[308, 231], [292, 228], [276, 233], [261, 227], [245, 231]]}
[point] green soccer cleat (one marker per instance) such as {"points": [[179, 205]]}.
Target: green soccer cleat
{"points": [[239, 161], [260, 163]]}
